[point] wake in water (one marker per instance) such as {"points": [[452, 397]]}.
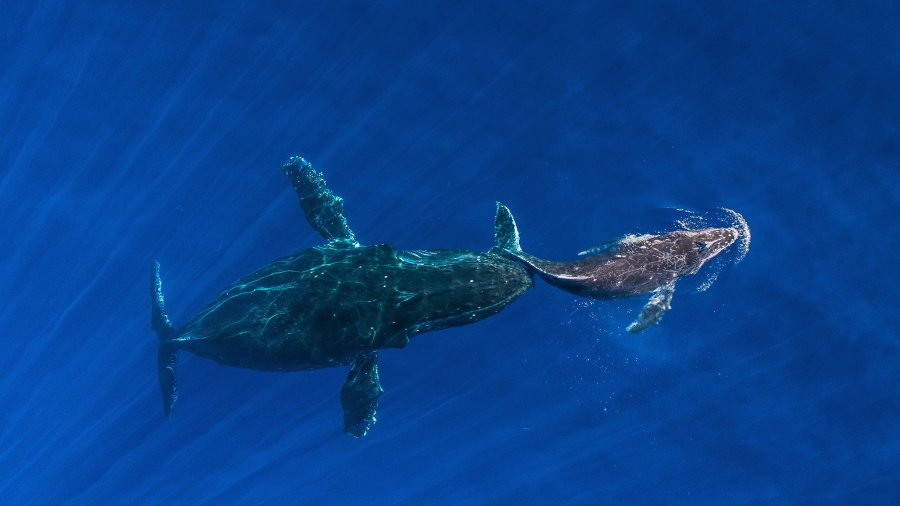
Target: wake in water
{"points": [[720, 217]]}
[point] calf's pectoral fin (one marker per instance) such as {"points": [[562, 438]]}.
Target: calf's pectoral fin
{"points": [[360, 393], [659, 303]]}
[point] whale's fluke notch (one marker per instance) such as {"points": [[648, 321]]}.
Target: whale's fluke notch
{"points": [[360, 393], [167, 355], [506, 234], [323, 209]]}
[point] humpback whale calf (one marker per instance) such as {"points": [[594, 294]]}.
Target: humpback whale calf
{"points": [[632, 266], [337, 304]]}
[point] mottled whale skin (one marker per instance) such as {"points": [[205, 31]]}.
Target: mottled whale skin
{"points": [[337, 304], [323, 306], [629, 267]]}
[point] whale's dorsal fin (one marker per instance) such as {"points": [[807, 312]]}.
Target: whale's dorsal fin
{"points": [[506, 234], [659, 303], [323, 209]]}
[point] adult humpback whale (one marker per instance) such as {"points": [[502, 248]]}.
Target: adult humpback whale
{"points": [[337, 304], [632, 266]]}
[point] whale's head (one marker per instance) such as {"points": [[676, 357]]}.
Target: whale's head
{"points": [[707, 243], [449, 288]]}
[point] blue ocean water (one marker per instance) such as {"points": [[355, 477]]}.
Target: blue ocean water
{"points": [[140, 131]]}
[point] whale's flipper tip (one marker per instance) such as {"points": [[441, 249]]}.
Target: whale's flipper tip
{"points": [[323, 209], [360, 393], [659, 303], [506, 235]]}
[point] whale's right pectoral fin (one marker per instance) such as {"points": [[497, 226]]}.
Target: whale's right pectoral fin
{"points": [[659, 303], [360, 393]]}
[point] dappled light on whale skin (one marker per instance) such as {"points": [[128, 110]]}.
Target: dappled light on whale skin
{"points": [[336, 305], [142, 131]]}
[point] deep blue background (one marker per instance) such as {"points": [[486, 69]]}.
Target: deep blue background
{"points": [[134, 131]]}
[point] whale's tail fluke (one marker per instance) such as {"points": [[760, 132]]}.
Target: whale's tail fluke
{"points": [[167, 357], [506, 235]]}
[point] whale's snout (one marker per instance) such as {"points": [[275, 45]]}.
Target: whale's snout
{"points": [[713, 241]]}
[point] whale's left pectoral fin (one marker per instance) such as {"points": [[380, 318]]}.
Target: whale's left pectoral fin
{"points": [[659, 303], [323, 209], [360, 393]]}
